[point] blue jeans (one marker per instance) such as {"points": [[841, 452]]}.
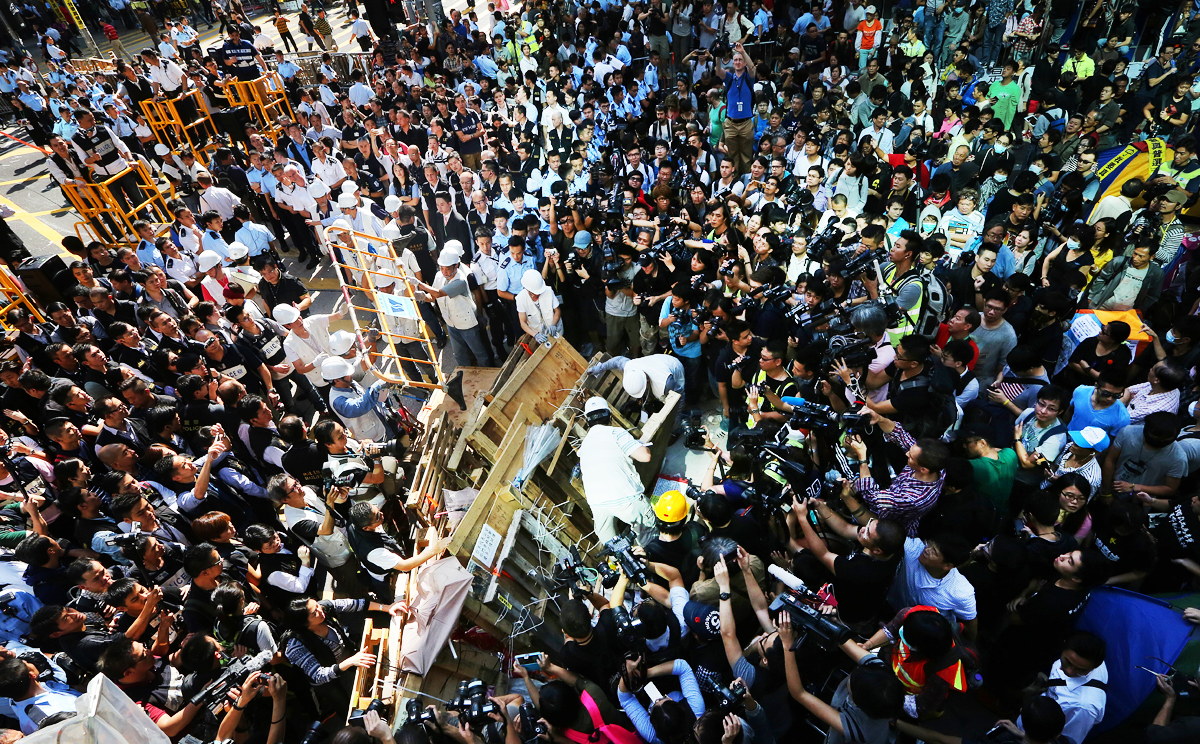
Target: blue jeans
{"points": [[993, 41], [935, 29], [468, 344]]}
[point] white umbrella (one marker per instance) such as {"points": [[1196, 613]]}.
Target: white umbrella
{"points": [[540, 442]]}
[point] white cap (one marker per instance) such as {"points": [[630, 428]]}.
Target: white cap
{"points": [[392, 203], [207, 259], [317, 189], [335, 368], [390, 231], [594, 404], [532, 281], [285, 314], [341, 225], [1092, 437], [238, 251], [871, 10], [348, 201], [340, 342], [634, 382], [162, 150], [449, 258], [349, 187]]}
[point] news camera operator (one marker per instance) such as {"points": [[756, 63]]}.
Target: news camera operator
{"points": [[771, 375], [583, 291]]}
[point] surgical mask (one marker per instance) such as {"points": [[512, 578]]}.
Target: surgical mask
{"points": [[1000, 148], [1072, 245], [999, 177], [1035, 170], [929, 226], [1170, 337]]}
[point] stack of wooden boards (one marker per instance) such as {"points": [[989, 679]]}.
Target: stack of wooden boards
{"points": [[510, 538]]}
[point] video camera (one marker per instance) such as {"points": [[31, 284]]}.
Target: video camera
{"points": [[232, 677], [621, 556], [815, 416], [771, 501], [801, 604], [861, 262], [852, 352]]}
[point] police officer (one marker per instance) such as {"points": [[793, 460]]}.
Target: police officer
{"points": [[106, 154], [508, 281]]}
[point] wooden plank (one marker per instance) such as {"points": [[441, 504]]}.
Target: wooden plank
{"points": [[658, 433], [561, 443], [517, 379], [460, 445], [498, 480]]}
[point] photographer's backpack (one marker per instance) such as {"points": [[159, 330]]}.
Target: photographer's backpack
{"points": [[935, 305]]}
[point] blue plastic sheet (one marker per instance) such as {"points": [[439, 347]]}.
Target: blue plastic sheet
{"points": [[1135, 627]]}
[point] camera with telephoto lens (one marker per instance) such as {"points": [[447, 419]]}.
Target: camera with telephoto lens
{"points": [[727, 266], [418, 714], [391, 447], [730, 698], [358, 714], [861, 262], [629, 628], [347, 474], [129, 538], [815, 416], [693, 492], [809, 317], [232, 677], [829, 238], [802, 604], [472, 703], [532, 727]]}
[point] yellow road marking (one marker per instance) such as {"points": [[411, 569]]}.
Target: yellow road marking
{"points": [[24, 180]]}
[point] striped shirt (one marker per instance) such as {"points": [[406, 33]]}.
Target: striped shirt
{"points": [[322, 27], [908, 499], [342, 648]]}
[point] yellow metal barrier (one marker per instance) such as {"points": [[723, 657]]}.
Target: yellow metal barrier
{"points": [[361, 277], [266, 100], [97, 205], [14, 296], [169, 125]]}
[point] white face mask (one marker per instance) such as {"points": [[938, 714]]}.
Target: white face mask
{"points": [[1000, 148], [1072, 245], [999, 177], [1035, 170], [929, 226]]}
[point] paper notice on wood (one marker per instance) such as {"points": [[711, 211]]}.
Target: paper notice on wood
{"points": [[487, 545]]}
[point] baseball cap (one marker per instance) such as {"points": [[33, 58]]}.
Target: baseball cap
{"points": [[1177, 196], [1092, 437]]}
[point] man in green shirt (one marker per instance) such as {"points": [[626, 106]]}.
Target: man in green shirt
{"points": [[1006, 95], [995, 469]]}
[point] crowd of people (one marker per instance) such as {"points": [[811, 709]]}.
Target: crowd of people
{"points": [[859, 233]]}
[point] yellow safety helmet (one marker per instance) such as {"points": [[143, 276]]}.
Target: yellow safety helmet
{"points": [[672, 506]]}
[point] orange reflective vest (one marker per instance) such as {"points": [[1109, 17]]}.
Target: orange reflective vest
{"points": [[911, 671]]}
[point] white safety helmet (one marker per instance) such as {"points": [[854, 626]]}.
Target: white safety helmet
{"points": [[634, 381], [341, 342], [335, 368]]}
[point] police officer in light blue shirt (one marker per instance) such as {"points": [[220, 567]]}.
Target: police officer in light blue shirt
{"points": [[487, 66], [8, 79], [254, 236]]}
